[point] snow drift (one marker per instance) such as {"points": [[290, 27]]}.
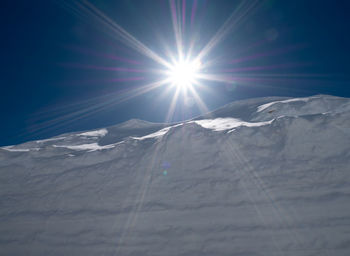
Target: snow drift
{"points": [[268, 176]]}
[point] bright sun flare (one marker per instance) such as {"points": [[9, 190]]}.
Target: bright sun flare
{"points": [[184, 69], [184, 73]]}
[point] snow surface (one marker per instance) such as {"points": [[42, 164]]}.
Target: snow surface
{"points": [[265, 106], [91, 147], [159, 133], [267, 176], [10, 148], [101, 132], [222, 124]]}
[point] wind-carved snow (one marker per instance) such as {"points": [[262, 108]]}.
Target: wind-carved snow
{"points": [[90, 147], [222, 124], [97, 133], [157, 134], [216, 124], [11, 149], [278, 185], [265, 106], [52, 139]]}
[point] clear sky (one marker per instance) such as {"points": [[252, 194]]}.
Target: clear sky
{"points": [[78, 65]]}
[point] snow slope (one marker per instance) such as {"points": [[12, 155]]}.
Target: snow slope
{"points": [[267, 176]]}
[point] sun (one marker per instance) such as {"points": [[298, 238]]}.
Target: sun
{"points": [[183, 74]]}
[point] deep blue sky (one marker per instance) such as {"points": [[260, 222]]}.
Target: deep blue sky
{"points": [[46, 47]]}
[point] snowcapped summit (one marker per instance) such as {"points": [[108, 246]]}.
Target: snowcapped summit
{"points": [[266, 176]]}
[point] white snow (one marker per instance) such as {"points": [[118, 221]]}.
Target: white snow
{"points": [[10, 148], [97, 133], [90, 147], [52, 139], [157, 134], [265, 106], [222, 124], [278, 185], [13, 149]]}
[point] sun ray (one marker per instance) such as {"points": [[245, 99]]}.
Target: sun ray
{"points": [[122, 69], [173, 103], [93, 108], [267, 54], [217, 77], [193, 13], [91, 13], [240, 14], [102, 55], [266, 67], [183, 16], [176, 27], [202, 107], [146, 183]]}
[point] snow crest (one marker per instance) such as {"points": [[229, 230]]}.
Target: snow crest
{"points": [[222, 124], [97, 133]]}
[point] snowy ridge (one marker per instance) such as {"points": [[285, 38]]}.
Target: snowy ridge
{"points": [[319, 104], [222, 124], [267, 105], [265, 176], [90, 147], [97, 133]]}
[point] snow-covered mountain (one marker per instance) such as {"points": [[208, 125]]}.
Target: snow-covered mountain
{"points": [[267, 176]]}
